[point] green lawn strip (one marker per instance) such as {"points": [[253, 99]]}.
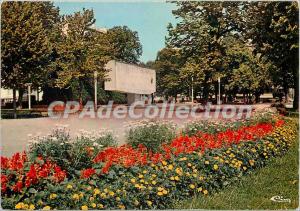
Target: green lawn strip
{"points": [[254, 191]]}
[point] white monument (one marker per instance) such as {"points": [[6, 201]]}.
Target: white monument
{"points": [[134, 80]]}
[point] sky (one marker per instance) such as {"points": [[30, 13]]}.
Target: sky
{"points": [[149, 19]]}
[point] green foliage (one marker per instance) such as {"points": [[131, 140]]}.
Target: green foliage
{"points": [[124, 44], [273, 28], [200, 34], [168, 64], [28, 31], [82, 52], [70, 154], [150, 134]]}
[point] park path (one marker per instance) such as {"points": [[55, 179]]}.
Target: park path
{"points": [[14, 132]]}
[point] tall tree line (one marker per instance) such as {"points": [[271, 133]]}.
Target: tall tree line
{"points": [[251, 46], [42, 47]]}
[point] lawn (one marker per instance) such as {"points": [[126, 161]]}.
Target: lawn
{"points": [[279, 178]]}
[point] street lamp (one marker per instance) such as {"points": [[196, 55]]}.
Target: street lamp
{"points": [[95, 88], [219, 95], [29, 94], [192, 90]]}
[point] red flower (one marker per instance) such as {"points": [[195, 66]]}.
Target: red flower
{"points": [[87, 173], [59, 174], [31, 176], [4, 180], [18, 186]]}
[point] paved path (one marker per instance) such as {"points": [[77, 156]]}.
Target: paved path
{"points": [[14, 132]]}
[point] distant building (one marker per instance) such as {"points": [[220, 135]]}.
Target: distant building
{"points": [[6, 95], [133, 80]]}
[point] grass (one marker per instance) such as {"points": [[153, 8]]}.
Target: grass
{"points": [[279, 178]]}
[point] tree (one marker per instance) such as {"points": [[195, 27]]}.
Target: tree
{"points": [[200, 34], [124, 43], [83, 51], [273, 28], [167, 65], [27, 31]]}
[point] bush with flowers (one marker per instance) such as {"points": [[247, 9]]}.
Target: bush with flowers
{"points": [[136, 178], [72, 154], [151, 134]]}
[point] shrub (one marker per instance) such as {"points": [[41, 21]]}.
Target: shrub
{"points": [[150, 134], [70, 154]]}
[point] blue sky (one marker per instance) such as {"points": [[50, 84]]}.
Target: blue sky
{"points": [[149, 19]]}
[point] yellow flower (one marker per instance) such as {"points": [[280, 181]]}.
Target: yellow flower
{"points": [[160, 193], [144, 172], [160, 188], [84, 207], [132, 180], [216, 167], [19, 206], [164, 163], [165, 192], [199, 189], [31, 207], [47, 208], [183, 159], [69, 186], [92, 198], [53, 196], [153, 175], [121, 206], [25, 207], [153, 182], [118, 199], [245, 168], [176, 178], [170, 167], [100, 206], [192, 186], [141, 176], [93, 205], [149, 203], [111, 193], [105, 190], [172, 178], [75, 196], [81, 195], [206, 162], [189, 164], [96, 191], [205, 192]]}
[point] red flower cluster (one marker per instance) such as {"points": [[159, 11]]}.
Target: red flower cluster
{"points": [[15, 169], [15, 163], [127, 156], [124, 155], [87, 173]]}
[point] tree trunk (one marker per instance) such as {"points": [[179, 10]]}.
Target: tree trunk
{"points": [[296, 92], [15, 103], [20, 98], [205, 89]]}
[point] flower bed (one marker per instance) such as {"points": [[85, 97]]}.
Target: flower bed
{"points": [[136, 178]]}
